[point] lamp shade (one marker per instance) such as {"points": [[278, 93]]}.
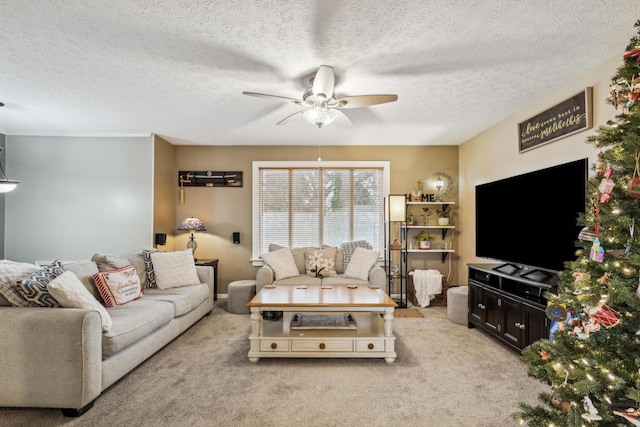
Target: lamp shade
{"points": [[7, 185], [397, 207], [192, 224]]}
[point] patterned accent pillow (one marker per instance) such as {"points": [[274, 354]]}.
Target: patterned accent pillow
{"points": [[11, 272], [34, 287], [148, 268], [321, 262], [348, 248], [118, 287]]}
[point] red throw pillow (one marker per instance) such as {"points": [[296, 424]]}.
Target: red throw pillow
{"points": [[118, 287]]}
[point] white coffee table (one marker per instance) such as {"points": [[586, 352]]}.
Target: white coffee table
{"points": [[372, 309]]}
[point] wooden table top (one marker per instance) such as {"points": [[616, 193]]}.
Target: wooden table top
{"points": [[318, 296]]}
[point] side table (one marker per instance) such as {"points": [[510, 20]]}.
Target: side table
{"points": [[211, 263]]}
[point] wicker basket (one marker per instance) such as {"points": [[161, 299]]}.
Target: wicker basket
{"points": [[439, 301]]}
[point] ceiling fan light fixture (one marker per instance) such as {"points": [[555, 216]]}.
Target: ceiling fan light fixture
{"points": [[319, 116]]}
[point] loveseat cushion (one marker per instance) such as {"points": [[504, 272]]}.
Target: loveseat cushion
{"points": [[133, 321], [184, 299]]}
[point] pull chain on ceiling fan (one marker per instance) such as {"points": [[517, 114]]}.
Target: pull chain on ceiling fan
{"points": [[320, 101]]}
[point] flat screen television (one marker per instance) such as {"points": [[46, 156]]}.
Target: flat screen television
{"points": [[529, 221]]}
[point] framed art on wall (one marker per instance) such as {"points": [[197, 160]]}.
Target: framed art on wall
{"points": [[563, 119]]}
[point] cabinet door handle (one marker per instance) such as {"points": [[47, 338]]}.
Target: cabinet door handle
{"points": [[274, 345], [370, 346], [517, 324], [322, 346]]}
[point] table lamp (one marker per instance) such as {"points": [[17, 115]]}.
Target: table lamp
{"points": [[192, 224]]}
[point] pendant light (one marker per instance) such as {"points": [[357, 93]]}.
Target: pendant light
{"points": [[6, 184]]}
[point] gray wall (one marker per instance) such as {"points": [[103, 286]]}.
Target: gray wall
{"points": [[78, 196]]}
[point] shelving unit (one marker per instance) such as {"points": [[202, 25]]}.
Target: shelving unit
{"points": [[396, 227]]}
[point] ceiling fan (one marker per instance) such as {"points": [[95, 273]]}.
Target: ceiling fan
{"points": [[320, 102]]}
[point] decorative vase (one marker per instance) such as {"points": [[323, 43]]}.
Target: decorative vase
{"points": [[443, 221]]}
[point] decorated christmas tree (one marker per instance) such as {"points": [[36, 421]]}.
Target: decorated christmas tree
{"points": [[592, 359]]}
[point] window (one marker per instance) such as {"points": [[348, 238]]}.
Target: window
{"points": [[311, 204]]}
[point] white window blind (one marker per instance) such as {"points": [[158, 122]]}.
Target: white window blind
{"points": [[313, 206]]}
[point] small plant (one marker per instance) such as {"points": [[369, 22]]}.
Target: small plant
{"points": [[424, 236], [444, 212]]}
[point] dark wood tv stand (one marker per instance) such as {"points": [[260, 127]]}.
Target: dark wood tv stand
{"points": [[508, 303]]}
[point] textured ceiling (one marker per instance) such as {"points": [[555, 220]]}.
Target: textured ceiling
{"points": [[178, 68]]}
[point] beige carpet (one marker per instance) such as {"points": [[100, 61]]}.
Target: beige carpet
{"points": [[446, 375]]}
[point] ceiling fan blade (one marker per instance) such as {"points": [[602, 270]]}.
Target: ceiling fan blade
{"points": [[324, 82], [343, 119], [290, 118], [274, 97], [365, 100]]}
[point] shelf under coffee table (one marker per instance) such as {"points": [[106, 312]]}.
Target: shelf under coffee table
{"points": [[371, 308]]}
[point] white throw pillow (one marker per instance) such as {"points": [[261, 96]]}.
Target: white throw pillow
{"points": [[282, 263], [360, 263], [69, 291], [174, 269]]}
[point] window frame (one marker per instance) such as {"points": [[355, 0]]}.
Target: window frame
{"points": [[255, 189]]}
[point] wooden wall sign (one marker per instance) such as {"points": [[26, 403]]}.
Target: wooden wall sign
{"points": [[209, 179], [566, 118]]}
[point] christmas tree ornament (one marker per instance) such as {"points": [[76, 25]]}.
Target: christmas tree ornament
{"points": [[630, 415], [633, 185], [604, 279], [544, 355], [632, 228], [605, 315], [601, 165], [556, 312], [638, 289], [592, 413], [587, 234], [606, 185], [597, 251]]}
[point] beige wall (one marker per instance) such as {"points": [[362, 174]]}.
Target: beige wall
{"points": [[225, 210], [493, 155], [164, 180]]}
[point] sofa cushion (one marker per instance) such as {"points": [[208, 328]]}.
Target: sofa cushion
{"points": [[137, 259], [133, 321], [107, 262], [118, 287], [10, 273], [174, 269], [85, 270], [70, 292], [349, 247], [361, 262], [321, 262], [298, 256], [34, 287], [184, 299], [282, 263]]}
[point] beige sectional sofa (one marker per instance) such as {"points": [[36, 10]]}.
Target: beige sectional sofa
{"points": [[61, 358], [376, 275]]}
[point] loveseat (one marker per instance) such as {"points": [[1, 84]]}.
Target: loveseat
{"points": [[338, 270], [65, 357]]}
